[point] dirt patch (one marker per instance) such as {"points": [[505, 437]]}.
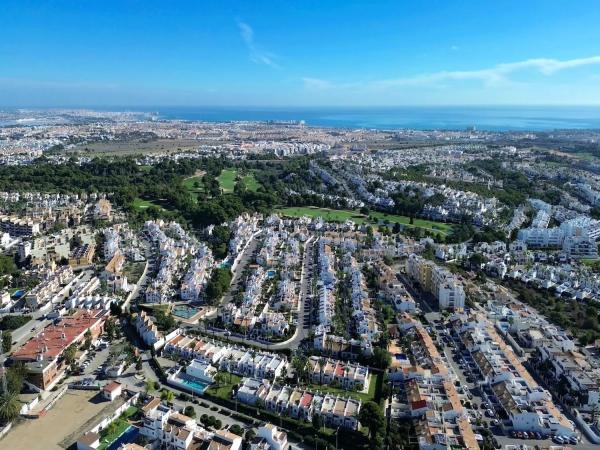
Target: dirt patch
{"points": [[75, 413]]}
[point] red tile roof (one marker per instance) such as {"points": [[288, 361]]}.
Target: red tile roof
{"points": [[112, 386], [51, 342], [306, 399]]}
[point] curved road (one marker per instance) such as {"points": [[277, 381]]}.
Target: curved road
{"points": [[301, 332]]}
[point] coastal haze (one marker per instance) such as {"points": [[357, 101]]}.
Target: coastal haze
{"points": [[288, 226]]}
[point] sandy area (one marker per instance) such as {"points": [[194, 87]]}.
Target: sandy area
{"points": [[60, 427]]}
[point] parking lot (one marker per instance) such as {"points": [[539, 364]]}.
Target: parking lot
{"points": [[482, 406]]}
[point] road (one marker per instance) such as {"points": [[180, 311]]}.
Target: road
{"points": [[133, 295], [464, 367], [245, 259], [211, 410], [302, 329], [27, 331]]}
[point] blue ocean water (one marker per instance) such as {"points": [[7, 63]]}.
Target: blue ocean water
{"points": [[497, 118]]}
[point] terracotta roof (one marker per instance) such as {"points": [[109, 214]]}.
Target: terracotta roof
{"points": [[54, 339], [151, 405], [112, 386]]}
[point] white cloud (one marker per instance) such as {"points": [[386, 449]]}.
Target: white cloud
{"points": [[493, 76], [257, 54]]}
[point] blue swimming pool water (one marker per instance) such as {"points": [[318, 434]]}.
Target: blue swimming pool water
{"points": [[400, 357], [185, 311], [271, 273], [127, 437], [197, 386]]}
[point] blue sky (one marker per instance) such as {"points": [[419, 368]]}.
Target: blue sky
{"points": [[299, 53]]}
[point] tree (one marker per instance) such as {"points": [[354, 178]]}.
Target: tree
{"points": [[381, 358], [75, 242], [250, 435], [14, 376], [12, 322], [371, 417], [190, 411], [6, 341], [116, 309], [9, 406], [299, 366], [167, 395], [219, 378], [150, 386], [317, 422], [476, 260], [218, 284], [110, 328], [7, 265], [236, 429], [88, 339], [69, 354]]}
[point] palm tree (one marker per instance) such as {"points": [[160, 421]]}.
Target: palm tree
{"points": [[229, 360], [9, 406], [219, 378], [253, 354]]}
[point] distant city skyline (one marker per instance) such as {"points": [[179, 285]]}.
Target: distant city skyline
{"points": [[299, 54]]}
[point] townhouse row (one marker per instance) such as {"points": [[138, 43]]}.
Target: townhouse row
{"points": [[300, 404], [238, 360]]}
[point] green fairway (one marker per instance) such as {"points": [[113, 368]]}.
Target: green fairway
{"points": [[190, 183], [140, 203], [194, 186], [251, 183], [419, 223], [340, 215], [331, 215], [227, 179]]}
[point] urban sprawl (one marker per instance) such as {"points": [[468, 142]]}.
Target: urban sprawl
{"points": [[272, 285]]}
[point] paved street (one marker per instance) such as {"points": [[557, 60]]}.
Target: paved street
{"points": [[245, 259], [302, 328]]}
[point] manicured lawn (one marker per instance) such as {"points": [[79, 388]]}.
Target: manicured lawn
{"points": [[140, 203], [227, 179], [589, 261], [370, 395], [430, 225], [332, 215], [121, 424], [224, 390], [190, 184], [340, 215], [251, 183]]}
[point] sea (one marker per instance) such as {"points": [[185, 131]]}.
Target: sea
{"points": [[492, 118]]}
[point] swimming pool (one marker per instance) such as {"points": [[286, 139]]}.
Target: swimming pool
{"points": [[126, 437], [185, 311], [271, 273], [400, 357], [193, 385]]}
